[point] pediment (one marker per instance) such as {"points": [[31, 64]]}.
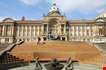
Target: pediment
{"points": [[8, 20]]}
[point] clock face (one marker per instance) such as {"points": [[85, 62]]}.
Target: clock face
{"points": [[53, 8]]}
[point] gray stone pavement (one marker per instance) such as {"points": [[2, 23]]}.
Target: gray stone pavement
{"points": [[76, 67], [102, 48]]}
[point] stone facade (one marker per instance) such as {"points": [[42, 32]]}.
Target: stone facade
{"points": [[53, 26]]}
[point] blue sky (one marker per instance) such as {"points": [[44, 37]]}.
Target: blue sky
{"points": [[34, 9]]}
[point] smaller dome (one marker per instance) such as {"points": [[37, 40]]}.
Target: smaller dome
{"points": [[103, 15], [100, 20]]}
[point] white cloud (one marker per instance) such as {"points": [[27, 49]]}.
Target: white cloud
{"points": [[101, 10], [83, 6], [31, 2], [80, 5], [1, 17]]}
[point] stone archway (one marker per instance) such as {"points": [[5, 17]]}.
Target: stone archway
{"points": [[53, 28], [63, 38], [44, 38]]}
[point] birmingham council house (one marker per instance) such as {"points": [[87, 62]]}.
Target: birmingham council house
{"points": [[53, 26]]}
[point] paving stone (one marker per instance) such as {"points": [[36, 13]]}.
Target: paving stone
{"points": [[76, 67]]}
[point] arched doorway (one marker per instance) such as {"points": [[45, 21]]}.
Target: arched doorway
{"points": [[53, 29]]}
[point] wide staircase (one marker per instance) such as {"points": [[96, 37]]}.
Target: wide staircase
{"points": [[4, 46], [80, 51], [102, 47], [9, 61]]}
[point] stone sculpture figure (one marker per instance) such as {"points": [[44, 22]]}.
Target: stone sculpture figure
{"points": [[37, 64], [54, 65], [69, 64]]}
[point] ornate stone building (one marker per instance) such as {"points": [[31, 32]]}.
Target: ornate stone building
{"points": [[53, 26]]}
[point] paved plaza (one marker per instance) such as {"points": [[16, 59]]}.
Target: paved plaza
{"points": [[76, 67]]}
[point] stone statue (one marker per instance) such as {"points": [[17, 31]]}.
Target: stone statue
{"points": [[37, 64], [54, 65], [69, 64]]}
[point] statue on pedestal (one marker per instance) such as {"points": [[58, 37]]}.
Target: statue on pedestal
{"points": [[54, 65]]}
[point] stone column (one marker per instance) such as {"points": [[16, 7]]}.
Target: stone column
{"points": [[35, 31], [66, 39], [95, 31], [12, 30], [18, 31], [3, 31], [9, 30], [6, 30], [0, 30], [77, 31], [59, 29], [42, 27], [26, 31], [85, 31], [64, 29], [47, 31], [40, 30], [81, 31], [90, 31], [73, 34], [70, 33], [21, 30], [30, 31]]}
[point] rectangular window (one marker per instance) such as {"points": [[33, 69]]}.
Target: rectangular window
{"points": [[45, 28], [1, 29], [62, 28]]}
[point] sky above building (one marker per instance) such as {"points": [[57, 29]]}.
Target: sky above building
{"points": [[35, 9]]}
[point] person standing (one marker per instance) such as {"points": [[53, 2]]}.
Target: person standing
{"points": [[39, 39]]}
